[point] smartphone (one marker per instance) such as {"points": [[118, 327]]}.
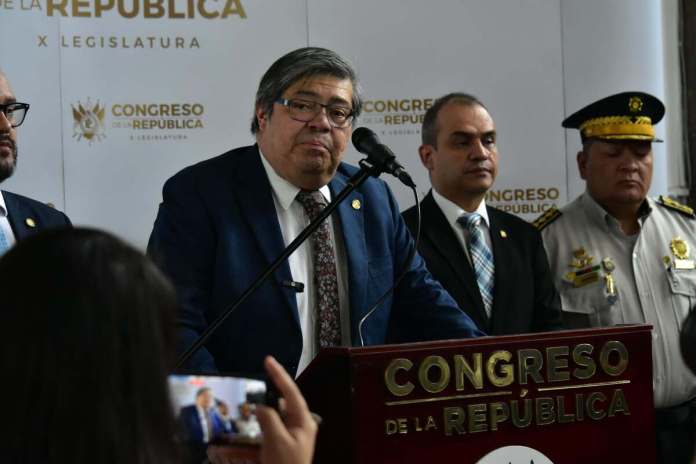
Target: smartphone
{"points": [[219, 409]]}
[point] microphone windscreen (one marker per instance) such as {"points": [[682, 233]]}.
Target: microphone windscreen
{"points": [[364, 140]]}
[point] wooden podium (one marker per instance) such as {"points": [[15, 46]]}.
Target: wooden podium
{"points": [[581, 396]]}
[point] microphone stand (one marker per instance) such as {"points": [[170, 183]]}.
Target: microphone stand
{"points": [[368, 168]]}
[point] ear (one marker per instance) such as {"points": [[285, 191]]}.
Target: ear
{"points": [[581, 158], [426, 153], [261, 117]]}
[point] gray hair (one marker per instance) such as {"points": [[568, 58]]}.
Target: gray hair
{"points": [[301, 64], [429, 128]]}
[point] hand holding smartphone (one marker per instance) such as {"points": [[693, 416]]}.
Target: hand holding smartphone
{"points": [[237, 419]]}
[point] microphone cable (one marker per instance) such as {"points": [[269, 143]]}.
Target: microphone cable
{"points": [[401, 276]]}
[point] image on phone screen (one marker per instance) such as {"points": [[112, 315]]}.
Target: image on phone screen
{"points": [[216, 410]]}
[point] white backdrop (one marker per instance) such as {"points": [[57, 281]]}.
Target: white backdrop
{"points": [[530, 61]]}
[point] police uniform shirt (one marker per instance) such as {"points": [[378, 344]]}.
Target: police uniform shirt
{"points": [[649, 287]]}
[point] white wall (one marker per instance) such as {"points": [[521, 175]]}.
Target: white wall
{"points": [[530, 61]]}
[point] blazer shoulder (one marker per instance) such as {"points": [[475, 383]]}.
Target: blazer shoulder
{"points": [[511, 221], [210, 168], [37, 207]]}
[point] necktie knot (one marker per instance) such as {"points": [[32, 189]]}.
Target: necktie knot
{"points": [[312, 200], [470, 221]]}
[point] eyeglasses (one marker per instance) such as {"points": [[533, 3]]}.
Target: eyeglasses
{"points": [[306, 110], [15, 113]]}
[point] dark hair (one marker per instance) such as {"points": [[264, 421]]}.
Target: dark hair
{"points": [[87, 342], [201, 391], [429, 128], [299, 64]]}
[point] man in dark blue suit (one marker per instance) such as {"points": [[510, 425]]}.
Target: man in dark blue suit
{"points": [[222, 221], [20, 216], [201, 424]]}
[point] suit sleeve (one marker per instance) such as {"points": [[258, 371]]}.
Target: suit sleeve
{"points": [[422, 308], [547, 311], [182, 243]]}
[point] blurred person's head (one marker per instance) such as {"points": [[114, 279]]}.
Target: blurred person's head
{"points": [[204, 398], [86, 348], [245, 410], [222, 407]]}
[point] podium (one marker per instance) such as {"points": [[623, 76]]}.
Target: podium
{"points": [[580, 396]]}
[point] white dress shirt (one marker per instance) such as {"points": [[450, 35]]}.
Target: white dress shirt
{"points": [[452, 212], [5, 222], [293, 219]]}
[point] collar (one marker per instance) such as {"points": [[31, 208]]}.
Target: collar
{"points": [[284, 191], [3, 207], [452, 211], [600, 216]]}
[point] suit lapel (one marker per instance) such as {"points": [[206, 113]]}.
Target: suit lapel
{"points": [[255, 196], [17, 214], [352, 221], [439, 233], [501, 242]]}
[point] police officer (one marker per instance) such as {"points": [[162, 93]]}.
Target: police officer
{"points": [[619, 257]]}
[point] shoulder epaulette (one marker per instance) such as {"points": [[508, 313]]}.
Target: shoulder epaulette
{"points": [[667, 202], [547, 218]]}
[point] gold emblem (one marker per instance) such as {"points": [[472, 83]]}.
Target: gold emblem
{"points": [[30, 222], [503, 234], [581, 259], [585, 273], [680, 249], [88, 121], [635, 104], [355, 204]]}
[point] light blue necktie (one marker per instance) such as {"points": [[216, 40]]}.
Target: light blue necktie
{"points": [[4, 243], [481, 258]]}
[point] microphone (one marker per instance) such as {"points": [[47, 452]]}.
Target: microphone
{"points": [[379, 155]]}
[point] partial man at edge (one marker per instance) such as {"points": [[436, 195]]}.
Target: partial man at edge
{"points": [[20, 217]]}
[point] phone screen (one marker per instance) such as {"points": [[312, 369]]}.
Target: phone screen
{"points": [[216, 409]]}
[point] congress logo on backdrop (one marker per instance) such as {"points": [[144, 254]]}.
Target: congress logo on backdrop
{"points": [[141, 121], [396, 116], [88, 121], [526, 202]]}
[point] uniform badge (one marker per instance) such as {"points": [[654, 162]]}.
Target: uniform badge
{"points": [[680, 251], [608, 266], [635, 104], [585, 273]]}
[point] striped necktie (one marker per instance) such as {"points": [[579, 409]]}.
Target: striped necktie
{"points": [[4, 242], [481, 258]]}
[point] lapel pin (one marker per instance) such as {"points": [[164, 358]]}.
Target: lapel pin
{"points": [[355, 204], [503, 234], [30, 222]]}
